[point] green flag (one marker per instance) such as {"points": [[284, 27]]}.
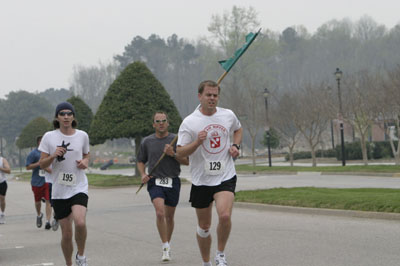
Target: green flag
{"points": [[228, 64]]}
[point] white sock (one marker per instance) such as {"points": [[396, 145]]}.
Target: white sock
{"points": [[220, 253], [81, 257], [207, 263], [165, 245]]}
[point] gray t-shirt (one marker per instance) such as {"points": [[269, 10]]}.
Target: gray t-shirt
{"points": [[151, 149]]}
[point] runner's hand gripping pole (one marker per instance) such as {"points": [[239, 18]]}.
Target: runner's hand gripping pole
{"points": [[157, 163]]}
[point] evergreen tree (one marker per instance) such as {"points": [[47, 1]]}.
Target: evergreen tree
{"points": [[37, 127], [128, 107], [83, 113], [18, 109], [273, 139]]}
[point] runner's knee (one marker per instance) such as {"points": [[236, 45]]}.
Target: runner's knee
{"points": [[203, 233], [225, 218]]}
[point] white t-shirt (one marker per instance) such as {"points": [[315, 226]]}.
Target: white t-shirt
{"points": [[211, 163], [2, 174], [47, 176], [68, 180]]}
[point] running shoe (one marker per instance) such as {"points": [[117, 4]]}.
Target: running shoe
{"points": [[2, 219], [54, 224], [47, 226], [166, 254], [39, 221], [80, 262], [220, 260]]}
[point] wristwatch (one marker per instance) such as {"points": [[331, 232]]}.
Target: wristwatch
{"points": [[236, 145]]}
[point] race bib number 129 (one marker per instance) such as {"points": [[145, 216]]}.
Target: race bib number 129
{"points": [[67, 179], [214, 167]]}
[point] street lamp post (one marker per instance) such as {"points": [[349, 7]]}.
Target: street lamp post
{"points": [[338, 75], [242, 119], [266, 92], [19, 159]]}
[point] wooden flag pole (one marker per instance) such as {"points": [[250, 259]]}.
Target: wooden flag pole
{"points": [[221, 78]]}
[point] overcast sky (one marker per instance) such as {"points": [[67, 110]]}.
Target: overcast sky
{"points": [[41, 40]]}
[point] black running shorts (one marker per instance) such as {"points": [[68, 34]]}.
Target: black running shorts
{"points": [[3, 188], [63, 207], [202, 196]]}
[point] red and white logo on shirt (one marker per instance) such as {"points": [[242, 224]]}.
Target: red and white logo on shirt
{"points": [[216, 138]]}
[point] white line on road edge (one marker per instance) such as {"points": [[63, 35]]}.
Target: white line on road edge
{"points": [[13, 247], [41, 264]]}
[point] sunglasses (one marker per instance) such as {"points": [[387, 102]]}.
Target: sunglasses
{"points": [[160, 121], [65, 113]]}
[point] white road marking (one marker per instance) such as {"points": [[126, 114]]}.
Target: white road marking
{"points": [[41, 264], [13, 247]]}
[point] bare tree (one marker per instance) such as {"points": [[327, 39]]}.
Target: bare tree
{"points": [[311, 117], [389, 109], [91, 83], [282, 118], [250, 109], [360, 105]]}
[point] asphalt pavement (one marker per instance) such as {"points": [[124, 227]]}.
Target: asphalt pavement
{"points": [[122, 231]]}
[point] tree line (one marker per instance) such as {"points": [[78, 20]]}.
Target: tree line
{"points": [[295, 65], [287, 63]]}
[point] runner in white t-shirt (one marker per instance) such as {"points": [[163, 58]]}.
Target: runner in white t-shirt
{"points": [[66, 150], [49, 181], [205, 136]]}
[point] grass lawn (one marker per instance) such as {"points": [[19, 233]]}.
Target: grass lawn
{"points": [[112, 180], [114, 166], [97, 179], [333, 169], [362, 199]]}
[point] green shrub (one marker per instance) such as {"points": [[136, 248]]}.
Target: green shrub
{"points": [[353, 151], [382, 149], [307, 154]]}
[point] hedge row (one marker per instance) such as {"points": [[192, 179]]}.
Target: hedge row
{"points": [[375, 150]]}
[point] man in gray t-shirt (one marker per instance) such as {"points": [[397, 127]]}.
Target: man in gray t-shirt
{"points": [[164, 184]]}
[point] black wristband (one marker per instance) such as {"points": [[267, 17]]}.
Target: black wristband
{"points": [[236, 145]]}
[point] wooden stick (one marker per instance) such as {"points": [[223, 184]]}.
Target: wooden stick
{"points": [[222, 77], [158, 162]]}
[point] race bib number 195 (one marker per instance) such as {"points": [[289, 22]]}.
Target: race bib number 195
{"points": [[67, 179]]}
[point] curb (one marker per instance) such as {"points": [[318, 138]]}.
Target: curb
{"points": [[362, 174], [318, 211], [319, 173]]}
